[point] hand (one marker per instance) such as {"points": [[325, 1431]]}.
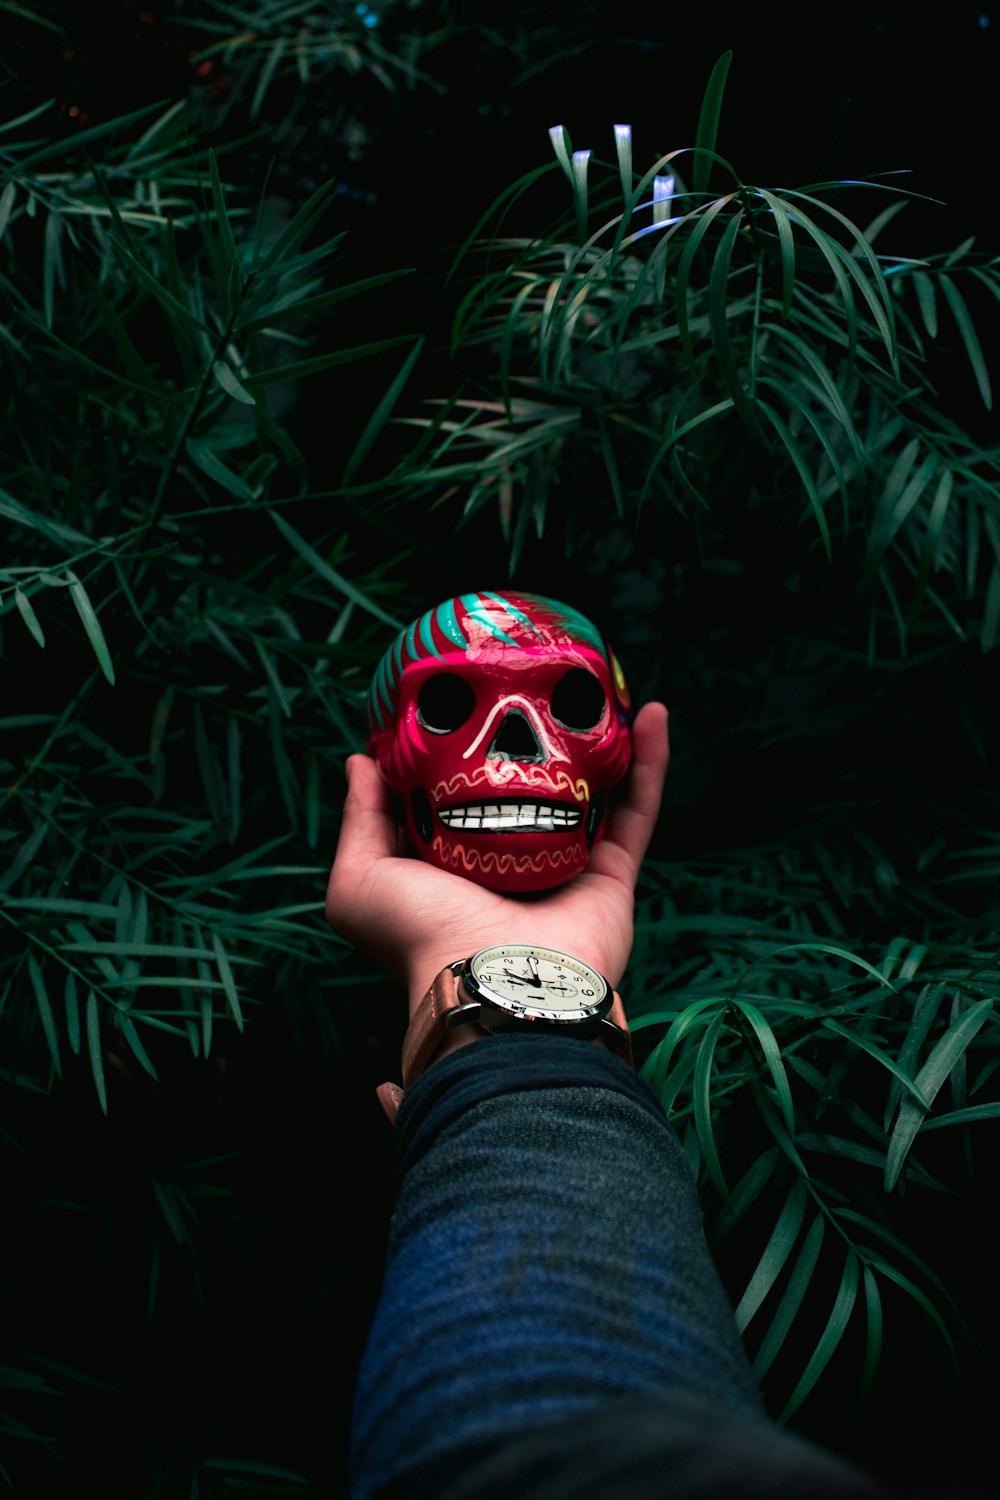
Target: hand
{"points": [[414, 918]]}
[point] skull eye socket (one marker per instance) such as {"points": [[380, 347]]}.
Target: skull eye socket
{"points": [[444, 703], [578, 700]]}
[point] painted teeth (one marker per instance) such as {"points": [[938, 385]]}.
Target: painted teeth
{"points": [[511, 816]]}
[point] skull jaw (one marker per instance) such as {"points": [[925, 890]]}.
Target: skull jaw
{"points": [[511, 862]]}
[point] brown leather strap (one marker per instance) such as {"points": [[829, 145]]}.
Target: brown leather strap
{"points": [[426, 1030], [423, 1038], [622, 1043]]}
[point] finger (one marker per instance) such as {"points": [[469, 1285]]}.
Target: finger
{"points": [[368, 830], [631, 821]]}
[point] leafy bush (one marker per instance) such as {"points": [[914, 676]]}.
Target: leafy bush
{"points": [[183, 663], [722, 408], [744, 366]]}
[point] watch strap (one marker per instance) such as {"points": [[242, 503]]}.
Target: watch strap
{"points": [[424, 1036], [426, 1032]]}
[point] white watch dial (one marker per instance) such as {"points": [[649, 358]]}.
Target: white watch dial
{"points": [[541, 979]]}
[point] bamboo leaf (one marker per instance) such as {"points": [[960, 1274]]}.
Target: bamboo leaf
{"points": [[673, 437], [873, 1341], [919, 1296], [857, 1039], [718, 320], [158, 126], [833, 256], [926, 301], [138, 1051], [746, 1192], [656, 1066], [703, 224], [305, 367], [772, 1056], [875, 290], [775, 1254], [295, 231], [827, 388], [39, 109], [801, 463], [708, 123], [292, 306], [792, 1300], [257, 475], [171, 304], [228, 983], [166, 1199], [703, 1106], [7, 200], [12, 1379], [230, 384], [206, 1024], [324, 570], [230, 256], [562, 146], [51, 265], [91, 625], [786, 247], [509, 196], [962, 1117], [970, 338], [942, 1059], [831, 1336], [890, 1238], [210, 464], [28, 615], [128, 949], [381, 413], [61, 146], [267, 72], [72, 1014], [94, 1051], [853, 958], [990, 624], [45, 1013]]}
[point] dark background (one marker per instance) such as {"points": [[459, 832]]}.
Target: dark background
{"points": [[262, 1362]]}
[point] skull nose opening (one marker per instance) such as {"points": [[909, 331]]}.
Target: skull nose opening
{"points": [[516, 740]]}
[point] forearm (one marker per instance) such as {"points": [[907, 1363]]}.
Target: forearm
{"points": [[546, 1254]]}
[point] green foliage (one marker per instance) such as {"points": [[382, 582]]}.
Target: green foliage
{"points": [[741, 364], [732, 376], [188, 662], [690, 339], [842, 1062]]}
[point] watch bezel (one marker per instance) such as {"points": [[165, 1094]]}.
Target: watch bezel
{"points": [[518, 1010]]}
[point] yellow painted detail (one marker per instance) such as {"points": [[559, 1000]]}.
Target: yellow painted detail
{"points": [[504, 864], [621, 686], [536, 778]]}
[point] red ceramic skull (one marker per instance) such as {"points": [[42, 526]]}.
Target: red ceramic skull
{"points": [[501, 723]]}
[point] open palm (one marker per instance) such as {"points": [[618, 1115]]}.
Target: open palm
{"points": [[415, 918]]}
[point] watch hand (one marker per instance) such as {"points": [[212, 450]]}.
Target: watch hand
{"points": [[533, 966], [520, 979]]}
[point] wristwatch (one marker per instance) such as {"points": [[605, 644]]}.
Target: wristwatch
{"points": [[511, 987]]}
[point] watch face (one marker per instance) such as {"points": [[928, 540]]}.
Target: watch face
{"points": [[540, 983]]}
